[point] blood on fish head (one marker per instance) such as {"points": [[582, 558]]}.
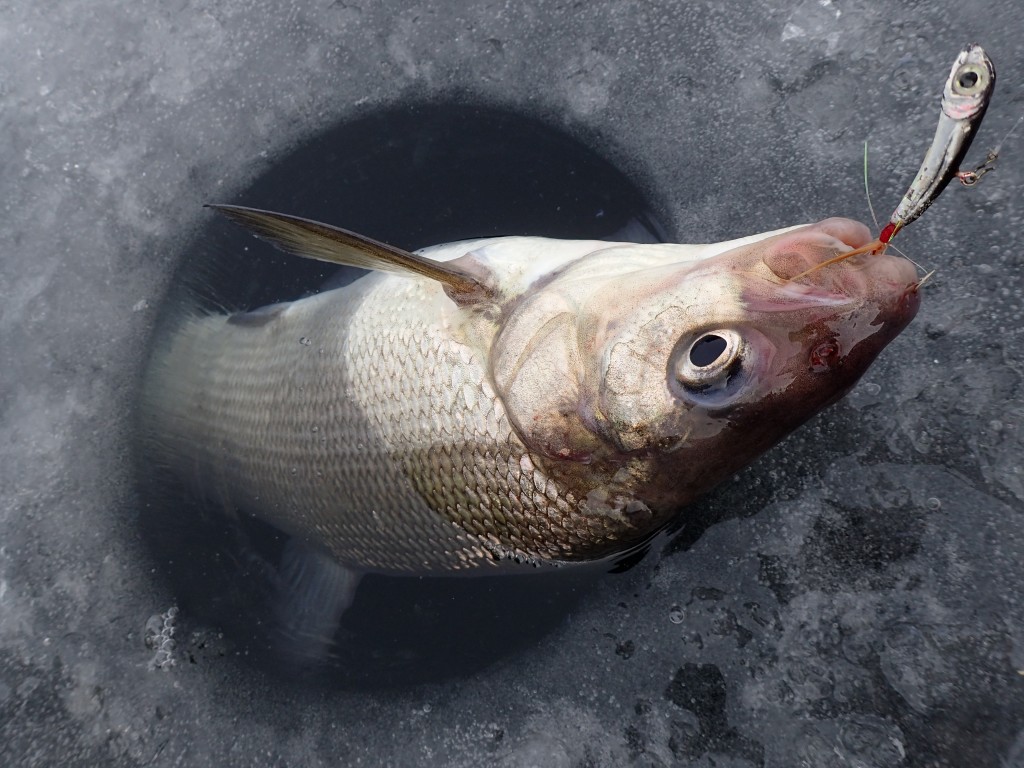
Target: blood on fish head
{"points": [[661, 381], [800, 344]]}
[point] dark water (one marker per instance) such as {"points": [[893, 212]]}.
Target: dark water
{"points": [[411, 177]]}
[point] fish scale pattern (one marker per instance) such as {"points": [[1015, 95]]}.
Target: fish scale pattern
{"points": [[364, 427], [429, 395]]}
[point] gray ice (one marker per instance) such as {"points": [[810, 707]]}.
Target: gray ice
{"points": [[858, 604]]}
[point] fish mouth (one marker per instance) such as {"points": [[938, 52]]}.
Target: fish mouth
{"points": [[805, 261], [796, 252]]}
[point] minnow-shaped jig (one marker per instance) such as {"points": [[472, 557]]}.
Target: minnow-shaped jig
{"points": [[965, 99]]}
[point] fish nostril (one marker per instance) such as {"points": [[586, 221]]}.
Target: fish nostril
{"points": [[787, 264], [806, 251]]}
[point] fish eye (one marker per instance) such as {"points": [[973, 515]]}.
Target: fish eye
{"points": [[969, 80], [711, 364], [707, 349]]}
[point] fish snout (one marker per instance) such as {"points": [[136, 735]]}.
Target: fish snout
{"points": [[838, 260], [794, 253]]}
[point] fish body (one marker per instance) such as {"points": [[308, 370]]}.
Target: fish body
{"points": [[555, 402]]}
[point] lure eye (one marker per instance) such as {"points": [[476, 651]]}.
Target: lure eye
{"points": [[969, 80], [710, 365]]}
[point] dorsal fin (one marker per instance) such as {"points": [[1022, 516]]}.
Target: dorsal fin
{"points": [[323, 242]]}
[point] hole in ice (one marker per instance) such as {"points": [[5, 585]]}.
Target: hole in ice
{"points": [[411, 176]]}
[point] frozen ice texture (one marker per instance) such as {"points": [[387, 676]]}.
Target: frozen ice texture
{"points": [[858, 601]]}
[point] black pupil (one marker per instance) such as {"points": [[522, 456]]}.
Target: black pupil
{"points": [[707, 350], [968, 79]]}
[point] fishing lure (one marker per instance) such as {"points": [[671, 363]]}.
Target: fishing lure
{"points": [[965, 98]]}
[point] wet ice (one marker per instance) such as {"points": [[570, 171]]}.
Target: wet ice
{"points": [[848, 612]]}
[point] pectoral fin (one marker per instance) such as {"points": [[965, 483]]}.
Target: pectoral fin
{"points": [[323, 242], [313, 594]]}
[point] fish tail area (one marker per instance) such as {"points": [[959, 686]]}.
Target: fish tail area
{"points": [[193, 308], [171, 394]]}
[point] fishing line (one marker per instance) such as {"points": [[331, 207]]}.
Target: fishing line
{"points": [[867, 190], [970, 178], [874, 218]]}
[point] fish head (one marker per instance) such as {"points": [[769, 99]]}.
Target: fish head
{"points": [[658, 373]]}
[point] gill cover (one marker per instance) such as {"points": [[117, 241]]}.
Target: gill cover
{"points": [[600, 368]]}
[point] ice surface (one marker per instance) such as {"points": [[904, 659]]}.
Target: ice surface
{"points": [[857, 604]]}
